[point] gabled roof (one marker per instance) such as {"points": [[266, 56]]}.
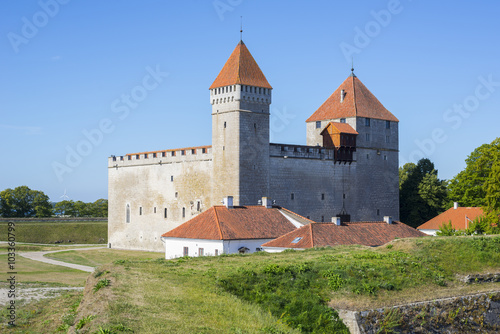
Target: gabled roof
{"points": [[239, 222], [241, 69], [358, 102], [354, 233], [456, 216], [340, 128]]}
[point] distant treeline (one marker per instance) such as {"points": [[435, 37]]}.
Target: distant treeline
{"points": [[23, 202]]}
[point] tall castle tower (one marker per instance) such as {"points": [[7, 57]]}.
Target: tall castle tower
{"points": [[377, 146], [240, 98]]}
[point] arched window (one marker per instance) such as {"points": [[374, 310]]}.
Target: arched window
{"points": [[127, 214]]}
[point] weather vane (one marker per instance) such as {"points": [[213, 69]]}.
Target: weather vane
{"points": [[241, 28]]}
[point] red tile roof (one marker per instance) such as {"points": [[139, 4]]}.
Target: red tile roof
{"points": [[358, 101], [341, 128], [241, 69], [456, 216], [240, 222], [354, 233]]}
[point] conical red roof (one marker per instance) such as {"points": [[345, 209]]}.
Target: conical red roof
{"points": [[358, 101], [241, 69]]}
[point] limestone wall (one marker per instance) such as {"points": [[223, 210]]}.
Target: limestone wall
{"points": [[181, 185], [466, 314], [306, 180]]}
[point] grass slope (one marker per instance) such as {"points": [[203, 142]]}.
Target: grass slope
{"points": [[58, 232], [271, 293]]}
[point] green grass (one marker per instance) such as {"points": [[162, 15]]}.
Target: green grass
{"points": [[58, 232], [43, 316], [97, 257], [277, 293], [29, 271]]}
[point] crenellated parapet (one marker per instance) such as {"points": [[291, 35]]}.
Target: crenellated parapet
{"points": [[199, 153], [301, 152]]}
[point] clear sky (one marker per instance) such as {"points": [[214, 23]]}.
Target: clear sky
{"points": [[83, 80]]}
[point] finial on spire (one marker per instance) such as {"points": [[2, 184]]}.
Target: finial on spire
{"points": [[241, 28], [352, 67]]}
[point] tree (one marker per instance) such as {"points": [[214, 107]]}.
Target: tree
{"points": [[422, 195], [41, 204], [468, 186], [6, 209], [492, 194], [64, 208], [24, 202], [100, 208]]}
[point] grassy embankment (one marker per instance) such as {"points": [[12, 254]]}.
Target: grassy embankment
{"points": [[269, 293], [59, 232]]}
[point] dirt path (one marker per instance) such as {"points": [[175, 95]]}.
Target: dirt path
{"points": [[39, 256], [32, 294]]}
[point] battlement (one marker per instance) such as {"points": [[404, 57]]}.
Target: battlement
{"points": [[240, 92], [198, 153], [300, 151]]}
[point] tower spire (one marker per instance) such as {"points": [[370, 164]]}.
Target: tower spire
{"points": [[241, 28], [352, 67]]}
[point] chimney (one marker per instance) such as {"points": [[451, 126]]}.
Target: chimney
{"points": [[228, 202], [342, 94], [266, 202], [455, 205], [336, 220], [388, 219]]}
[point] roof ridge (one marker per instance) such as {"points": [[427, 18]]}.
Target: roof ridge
{"points": [[312, 238], [354, 96], [217, 222]]}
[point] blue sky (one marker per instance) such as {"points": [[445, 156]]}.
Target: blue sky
{"points": [[68, 65]]}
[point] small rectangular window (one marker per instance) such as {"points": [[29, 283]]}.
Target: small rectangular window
{"points": [[154, 209], [200, 251], [129, 157], [367, 122], [198, 206], [171, 178], [367, 136], [140, 210], [163, 154], [318, 124], [322, 218], [385, 157], [185, 251], [387, 139], [193, 151], [378, 212], [342, 120], [165, 213], [154, 155], [387, 124], [203, 150], [183, 152], [292, 196], [137, 156], [176, 194], [216, 252], [173, 153], [322, 197], [183, 212], [145, 156]]}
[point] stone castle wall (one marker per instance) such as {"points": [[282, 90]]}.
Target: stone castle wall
{"points": [[179, 184]]}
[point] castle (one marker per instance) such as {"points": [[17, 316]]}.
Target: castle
{"points": [[348, 167]]}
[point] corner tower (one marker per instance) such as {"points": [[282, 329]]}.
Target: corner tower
{"points": [[240, 98], [376, 184]]}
